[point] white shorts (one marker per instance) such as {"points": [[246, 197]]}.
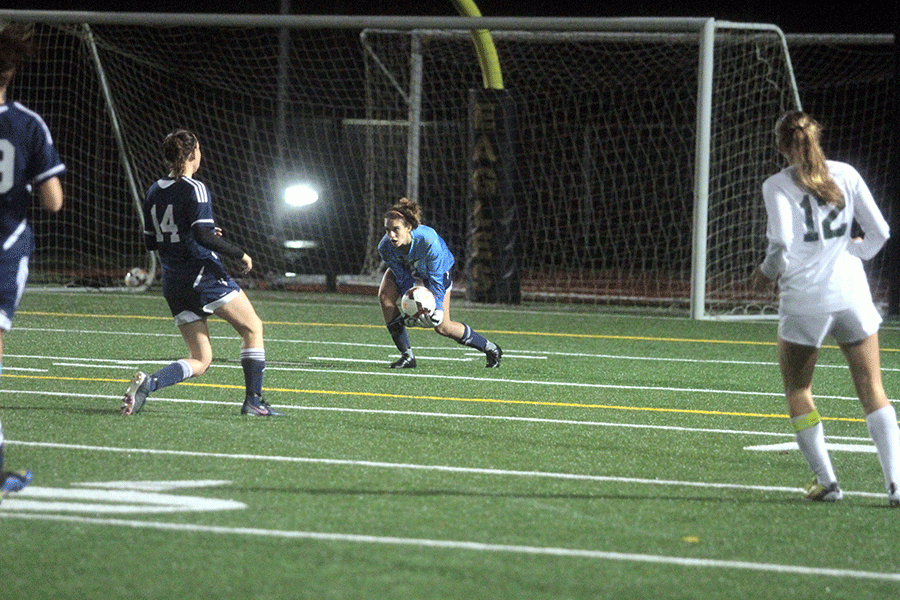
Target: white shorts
{"points": [[845, 326]]}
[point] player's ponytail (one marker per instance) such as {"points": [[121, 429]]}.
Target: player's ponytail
{"points": [[798, 138], [407, 210], [177, 149]]}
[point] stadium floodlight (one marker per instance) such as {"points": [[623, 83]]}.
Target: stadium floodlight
{"points": [[301, 244], [301, 194]]}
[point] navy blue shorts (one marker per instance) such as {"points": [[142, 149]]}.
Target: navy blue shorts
{"points": [[195, 296]]}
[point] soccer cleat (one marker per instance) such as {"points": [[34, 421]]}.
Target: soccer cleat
{"points": [[258, 407], [820, 493], [13, 481], [493, 357], [137, 393], [893, 495], [406, 361]]}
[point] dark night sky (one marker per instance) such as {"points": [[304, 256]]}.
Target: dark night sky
{"points": [[797, 16]]}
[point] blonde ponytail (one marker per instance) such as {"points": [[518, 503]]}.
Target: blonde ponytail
{"points": [[798, 138]]}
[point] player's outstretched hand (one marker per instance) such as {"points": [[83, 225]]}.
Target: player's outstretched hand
{"points": [[247, 262]]}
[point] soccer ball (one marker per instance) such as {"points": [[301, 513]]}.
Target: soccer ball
{"points": [[417, 304], [136, 277]]}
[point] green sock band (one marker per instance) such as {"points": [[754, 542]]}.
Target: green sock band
{"points": [[810, 419]]}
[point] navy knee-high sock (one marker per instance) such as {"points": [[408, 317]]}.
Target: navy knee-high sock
{"points": [[397, 329], [253, 362], [473, 339], [171, 374]]}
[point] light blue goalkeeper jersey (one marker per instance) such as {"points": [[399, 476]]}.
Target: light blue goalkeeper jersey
{"points": [[428, 259]]}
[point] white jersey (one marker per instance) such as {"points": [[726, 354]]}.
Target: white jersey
{"points": [[818, 265]]}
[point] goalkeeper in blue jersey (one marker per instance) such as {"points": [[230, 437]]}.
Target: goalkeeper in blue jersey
{"points": [[415, 251], [29, 164], [178, 223]]}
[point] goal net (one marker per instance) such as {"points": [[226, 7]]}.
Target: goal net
{"points": [[607, 168], [609, 159], [268, 107]]}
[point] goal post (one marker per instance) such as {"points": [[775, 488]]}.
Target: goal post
{"points": [[700, 307], [116, 130], [610, 157]]}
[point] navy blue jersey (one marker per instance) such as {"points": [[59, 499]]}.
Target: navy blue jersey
{"points": [[27, 159], [174, 211], [428, 258]]}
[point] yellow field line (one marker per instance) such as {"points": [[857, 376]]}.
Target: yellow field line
{"points": [[689, 411], [90, 316], [597, 336]]}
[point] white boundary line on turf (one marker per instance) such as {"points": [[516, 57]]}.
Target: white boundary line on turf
{"points": [[384, 362], [475, 547], [418, 414], [434, 468], [115, 363], [118, 363], [565, 422], [419, 375], [511, 353], [602, 386], [861, 448]]}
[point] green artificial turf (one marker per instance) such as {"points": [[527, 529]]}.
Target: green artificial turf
{"points": [[608, 457]]}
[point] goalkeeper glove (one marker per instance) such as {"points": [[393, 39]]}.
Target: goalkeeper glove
{"points": [[434, 319]]}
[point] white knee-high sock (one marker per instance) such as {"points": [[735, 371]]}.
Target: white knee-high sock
{"points": [[885, 433], [811, 439]]}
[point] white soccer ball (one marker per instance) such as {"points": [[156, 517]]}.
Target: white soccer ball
{"points": [[418, 303], [136, 277]]}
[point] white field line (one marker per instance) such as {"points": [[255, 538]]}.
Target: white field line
{"points": [[369, 464], [382, 361], [471, 356], [570, 384], [116, 364], [444, 415], [474, 547], [511, 353], [786, 446]]}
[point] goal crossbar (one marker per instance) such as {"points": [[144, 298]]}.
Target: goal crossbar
{"points": [[571, 24]]}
